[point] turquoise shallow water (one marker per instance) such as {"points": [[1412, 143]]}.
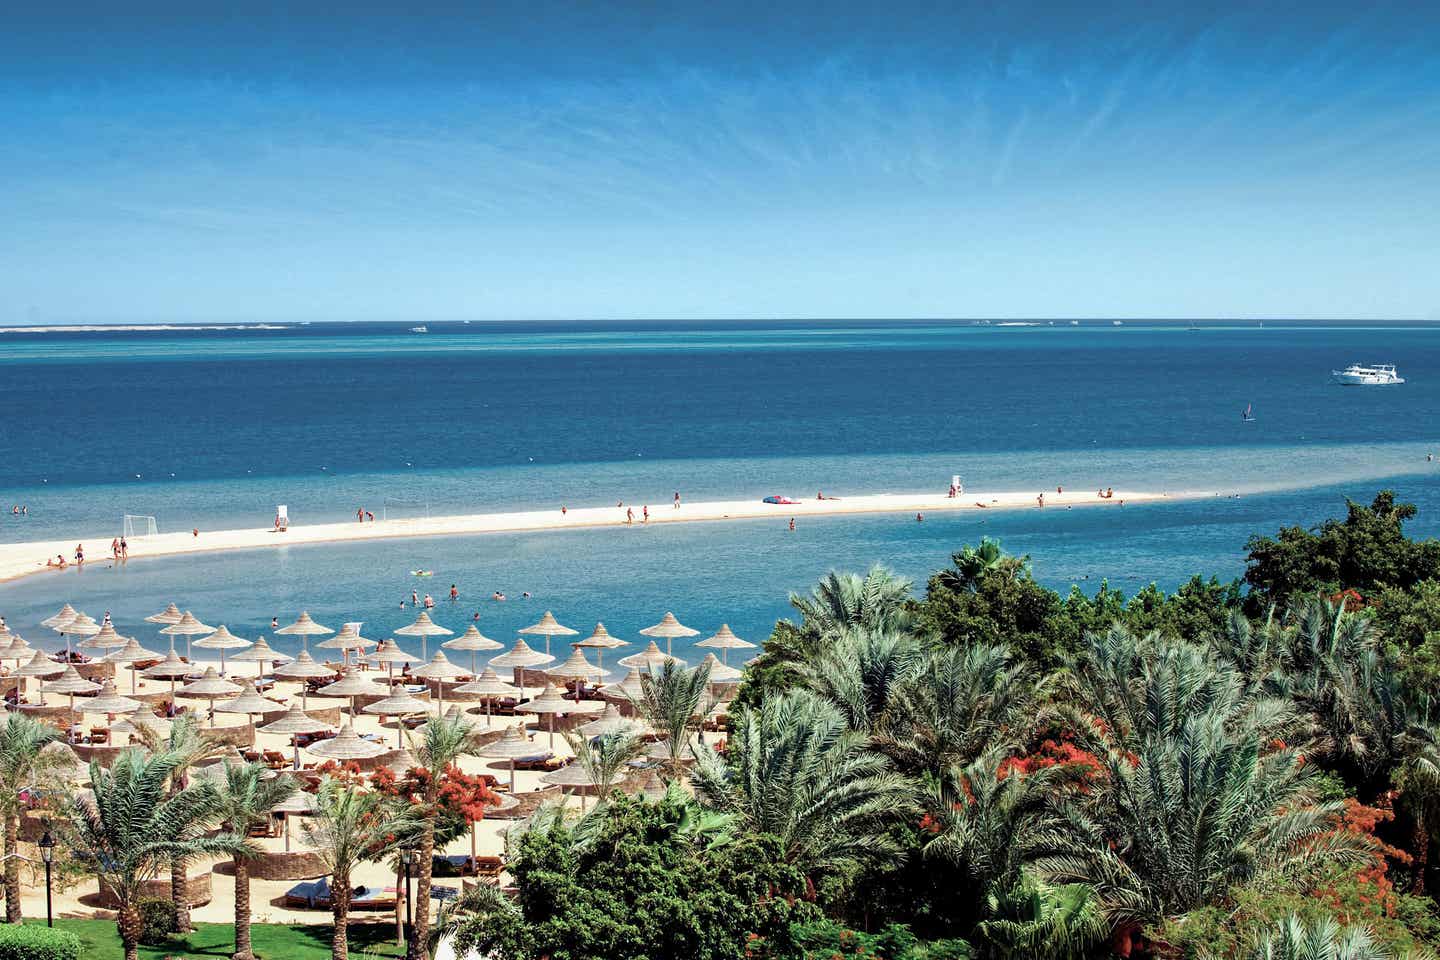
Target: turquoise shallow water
{"points": [[329, 418]]}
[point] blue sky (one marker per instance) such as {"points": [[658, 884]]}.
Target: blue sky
{"points": [[710, 160]]}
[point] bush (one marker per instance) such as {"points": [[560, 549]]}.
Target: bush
{"points": [[157, 922], [824, 939], [32, 942]]}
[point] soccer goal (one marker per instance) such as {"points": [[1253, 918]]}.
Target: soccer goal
{"points": [[398, 508], [137, 525]]}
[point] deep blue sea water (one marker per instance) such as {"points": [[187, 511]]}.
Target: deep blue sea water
{"points": [[213, 428]]}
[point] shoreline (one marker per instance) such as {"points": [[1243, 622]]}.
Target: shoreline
{"points": [[19, 560]]}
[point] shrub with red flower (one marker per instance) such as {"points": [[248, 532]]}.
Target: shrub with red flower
{"points": [[1376, 889]]}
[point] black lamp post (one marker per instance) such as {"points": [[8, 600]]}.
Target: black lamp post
{"points": [[407, 857], [47, 853]]}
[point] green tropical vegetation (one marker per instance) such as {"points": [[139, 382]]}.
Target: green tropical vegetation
{"points": [[979, 768], [987, 768]]}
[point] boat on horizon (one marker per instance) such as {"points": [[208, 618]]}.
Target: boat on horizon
{"points": [[419, 329], [1362, 375]]}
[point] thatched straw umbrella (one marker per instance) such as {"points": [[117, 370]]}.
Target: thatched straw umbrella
{"points": [[249, 702], [719, 672], [401, 762], [389, 653], [521, 656], [650, 658], [512, 746], [600, 641], [630, 689], [18, 650], [576, 775], [669, 628], [187, 626], [105, 638], [304, 628], [346, 640], [346, 745], [610, 722], [79, 625], [424, 628], [107, 701], [295, 722], [221, 639], [399, 705], [132, 653], [172, 668], [577, 668], [547, 627], [724, 640], [298, 803], [260, 654], [69, 682], [209, 687], [41, 667], [489, 686], [58, 620], [552, 701], [169, 615], [349, 686], [65, 614], [474, 641], [303, 668], [442, 671], [660, 750]]}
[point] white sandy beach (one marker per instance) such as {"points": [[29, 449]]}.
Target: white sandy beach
{"points": [[22, 559]]}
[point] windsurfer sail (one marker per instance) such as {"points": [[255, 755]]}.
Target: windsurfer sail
{"points": [[1246, 417]]}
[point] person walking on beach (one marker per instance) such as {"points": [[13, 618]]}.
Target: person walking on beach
{"points": [[124, 549], [677, 499], [359, 514], [115, 548], [629, 515], [79, 553], [646, 511], [563, 510]]}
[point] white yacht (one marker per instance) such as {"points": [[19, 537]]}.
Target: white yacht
{"points": [[1362, 375], [419, 329]]}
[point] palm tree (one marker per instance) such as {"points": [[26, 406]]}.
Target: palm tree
{"points": [[990, 833], [442, 741], [971, 564], [1037, 921], [24, 765], [672, 700], [861, 671], [1196, 798], [605, 757], [880, 601], [132, 825], [190, 744], [958, 704], [249, 793], [351, 826], [797, 771], [1323, 939]]}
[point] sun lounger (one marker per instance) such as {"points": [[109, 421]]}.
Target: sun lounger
{"points": [[316, 895], [309, 894], [545, 762]]}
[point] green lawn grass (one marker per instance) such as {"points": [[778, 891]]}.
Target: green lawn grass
{"points": [[210, 940]]}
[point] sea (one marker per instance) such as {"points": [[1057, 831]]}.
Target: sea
{"points": [[213, 428]]}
